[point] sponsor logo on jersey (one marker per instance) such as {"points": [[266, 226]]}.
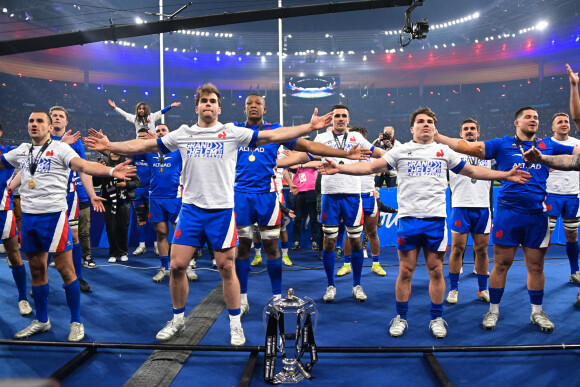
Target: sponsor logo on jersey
{"points": [[440, 153], [205, 150], [425, 168], [532, 166], [42, 167], [248, 149]]}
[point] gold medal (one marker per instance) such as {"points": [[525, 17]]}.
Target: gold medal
{"points": [[252, 158], [161, 170], [31, 183]]}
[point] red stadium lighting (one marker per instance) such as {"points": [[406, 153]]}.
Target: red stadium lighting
{"points": [[50, 80], [503, 47], [431, 92], [388, 94], [410, 56], [74, 85], [529, 44], [478, 89]]}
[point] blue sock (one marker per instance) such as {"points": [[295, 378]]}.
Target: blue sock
{"points": [[40, 295], [328, 259], [77, 256], [274, 267], [347, 258], [49, 259], [243, 273], [482, 281], [165, 261], [436, 310], [572, 252], [142, 233], [454, 281], [178, 311], [257, 245], [19, 274], [536, 296], [284, 245], [495, 295], [402, 309], [357, 265], [73, 299], [235, 312], [375, 259]]}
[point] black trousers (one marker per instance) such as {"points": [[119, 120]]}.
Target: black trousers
{"points": [[117, 226], [306, 205]]}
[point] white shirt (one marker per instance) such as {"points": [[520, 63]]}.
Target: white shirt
{"points": [[467, 192], [209, 158], [149, 124], [422, 170], [50, 178], [339, 183], [564, 182]]}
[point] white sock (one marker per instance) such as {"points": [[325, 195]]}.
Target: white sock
{"points": [[141, 244], [536, 308], [258, 251], [365, 254], [244, 298], [155, 243], [277, 296], [179, 317], [285, 251], [494, 308], [235, 320]]}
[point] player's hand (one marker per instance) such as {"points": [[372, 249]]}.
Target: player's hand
{"points": [[356, 153], [317, 123], [175, 104], [328, 167], [516, 175], [112, 103], [572, 75], [96, 140], [69, 138], [533, 155], [97, 203], [291, 214], [124, 170]]}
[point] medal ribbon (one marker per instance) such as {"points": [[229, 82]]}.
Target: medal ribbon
{"points": [[34, 163], [521, 147], [259, 128]]}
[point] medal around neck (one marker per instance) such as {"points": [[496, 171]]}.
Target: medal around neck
{"points": [[31, 183], [252, 158]]}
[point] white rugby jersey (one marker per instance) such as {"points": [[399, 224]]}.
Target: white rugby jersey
{"points": [[564, 182], [209, 158], [468, 192], [50, 178], [339, 183], [422, 171], [278, 171]]}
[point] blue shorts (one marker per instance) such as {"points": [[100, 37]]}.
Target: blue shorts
{"points": [[514, 228], [370, 206], [195, 224], [141, 196], [565, 206], [430, 233], [347, 207], [73, 211], [261, 208], [8, 224], [472, 220], [164, 210], [46, 232]]}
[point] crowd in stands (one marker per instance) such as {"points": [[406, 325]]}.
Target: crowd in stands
{"points": [[492, 104]]}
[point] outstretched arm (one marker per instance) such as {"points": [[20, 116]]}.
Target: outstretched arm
{"points": [[316, 148], [285, 134], [121, 171], [476, 149], [515, 174], [574, 98], [561, 162], [329, 167], [99, 142]]}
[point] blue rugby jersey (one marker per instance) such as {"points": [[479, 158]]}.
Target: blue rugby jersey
{"points": [[166, 184], [527, 197], [5, 175], [256, 176]]}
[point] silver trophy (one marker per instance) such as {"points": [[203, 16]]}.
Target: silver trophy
{"points": [[301, 316]]}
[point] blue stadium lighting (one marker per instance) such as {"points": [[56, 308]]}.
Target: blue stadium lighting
{"points": [[577, 38], [239, 58], [99, 88], [146, 93], [240, 96], [124, 90], [217, 58], [195, 58], [173, 94]]}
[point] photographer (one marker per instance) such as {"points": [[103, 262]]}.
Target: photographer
{"points": [[386, 141]]}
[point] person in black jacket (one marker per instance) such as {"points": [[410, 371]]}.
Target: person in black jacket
{"points": [[118, 194]]}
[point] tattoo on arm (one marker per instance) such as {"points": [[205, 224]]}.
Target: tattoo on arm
{"points": [[562, 162]]}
